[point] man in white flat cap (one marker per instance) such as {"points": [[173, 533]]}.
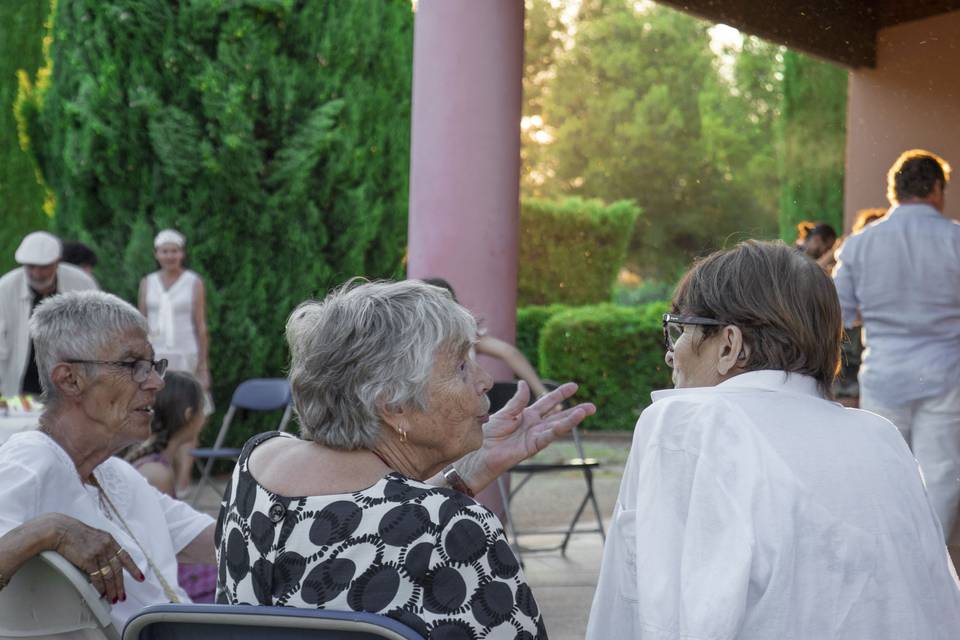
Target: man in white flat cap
{"points": [[40, 276]]}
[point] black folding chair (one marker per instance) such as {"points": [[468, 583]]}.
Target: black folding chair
{"points": [[256, 394], [250, 622], [526, 471]]}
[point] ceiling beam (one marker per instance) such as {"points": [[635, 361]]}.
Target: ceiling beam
{"points": [[841, 31], [893, 12]]}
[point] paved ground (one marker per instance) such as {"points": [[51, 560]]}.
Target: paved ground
{"points": [[563, 586]]}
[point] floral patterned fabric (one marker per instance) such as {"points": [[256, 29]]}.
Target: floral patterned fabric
{"points": [[432, 558]]}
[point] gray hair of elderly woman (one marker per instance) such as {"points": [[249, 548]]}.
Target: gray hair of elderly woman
{"points": [[78, 325], [366, 347], [783, 302]]}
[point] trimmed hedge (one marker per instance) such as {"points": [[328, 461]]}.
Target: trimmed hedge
{"points": [[530, 321], [616, 355], [571, 250]]}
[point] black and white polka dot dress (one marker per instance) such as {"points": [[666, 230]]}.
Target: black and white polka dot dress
{"points": [[431, 558]]}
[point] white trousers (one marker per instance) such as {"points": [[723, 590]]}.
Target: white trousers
{"points": [[931, 428]]}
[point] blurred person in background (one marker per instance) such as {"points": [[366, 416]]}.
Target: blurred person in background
{"points": [[79, 255], [178, 418], [173, 299], [815, 238], [900, 276], [41, 275]]}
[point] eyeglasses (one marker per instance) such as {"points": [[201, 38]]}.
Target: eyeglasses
{"points": [[139, 369], [673, 327]]}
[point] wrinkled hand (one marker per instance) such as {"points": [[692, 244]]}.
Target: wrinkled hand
{"points": [[97, 554], [518, 432]]}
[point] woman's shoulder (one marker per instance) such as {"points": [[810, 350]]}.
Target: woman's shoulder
{"points": [[36, 451]]}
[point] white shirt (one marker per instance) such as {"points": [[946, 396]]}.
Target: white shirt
{"points": [[16, 302], [38, 477], [757, 510], [902, 274], [170, 316]]}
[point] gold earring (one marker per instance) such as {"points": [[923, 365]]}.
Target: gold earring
{"points": [[403, 434]]}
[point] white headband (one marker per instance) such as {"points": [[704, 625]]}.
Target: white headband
{"points": [[169, 236]]}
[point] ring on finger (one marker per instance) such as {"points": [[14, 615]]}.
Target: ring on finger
{"points": [[106, 571], [94, 574], [117, 554]]}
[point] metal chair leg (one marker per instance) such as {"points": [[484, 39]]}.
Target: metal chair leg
{"points": [[509, 529]]}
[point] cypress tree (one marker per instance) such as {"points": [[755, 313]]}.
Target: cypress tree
{"points": [[814, 141], [21, 196], [273, 133]]}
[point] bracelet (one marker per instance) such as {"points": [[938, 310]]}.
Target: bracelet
{"points": [[456, 482]]}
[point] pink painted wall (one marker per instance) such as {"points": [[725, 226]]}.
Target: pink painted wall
{"points": [[465, 157], [911, 100]]}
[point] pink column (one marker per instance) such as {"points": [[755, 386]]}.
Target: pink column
{"points": [[465, 156]]}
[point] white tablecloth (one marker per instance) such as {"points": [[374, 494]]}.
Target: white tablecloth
{"points": [[13, 424]]}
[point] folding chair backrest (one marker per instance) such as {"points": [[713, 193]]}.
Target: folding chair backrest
{"points": [[50, 598], [246, 622], [262, 394], [258, 394]]}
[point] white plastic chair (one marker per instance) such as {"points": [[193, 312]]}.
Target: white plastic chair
{"points": [[50, 598]]}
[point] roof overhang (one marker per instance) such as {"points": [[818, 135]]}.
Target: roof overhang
{"points": [[842, 31]]}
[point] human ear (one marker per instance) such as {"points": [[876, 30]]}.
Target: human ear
{"points": [[66, 381], [733, 351]]}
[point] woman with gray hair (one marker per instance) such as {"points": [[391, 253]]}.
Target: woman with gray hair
{"points": [[752, 507], [365, 511], [100, 380]]}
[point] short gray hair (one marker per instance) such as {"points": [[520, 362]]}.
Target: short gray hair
{"points": [[368, 346], [77, 325]]}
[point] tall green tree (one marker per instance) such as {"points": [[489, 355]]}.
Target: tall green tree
{"points": [[273, 133], [21, 196], [814, 142], [634, 108]]}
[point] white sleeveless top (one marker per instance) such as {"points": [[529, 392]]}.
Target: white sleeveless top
{"points": [[170, 317]]}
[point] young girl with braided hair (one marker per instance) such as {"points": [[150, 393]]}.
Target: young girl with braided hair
{"points": [[178, 417]]}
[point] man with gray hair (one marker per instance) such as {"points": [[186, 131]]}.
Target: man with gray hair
{"points": [[100, 380], [21, 290]]}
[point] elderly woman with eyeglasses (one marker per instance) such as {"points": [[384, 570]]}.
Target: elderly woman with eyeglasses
{"points": [[60, 487], [371, 508], [752, 507]]}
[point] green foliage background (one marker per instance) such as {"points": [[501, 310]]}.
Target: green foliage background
{"points": [[273, 133], [634, 105], [813, 129], [21, 196], [572, 249]]}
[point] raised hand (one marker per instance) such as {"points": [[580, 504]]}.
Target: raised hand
{"points": [[518, 432]]}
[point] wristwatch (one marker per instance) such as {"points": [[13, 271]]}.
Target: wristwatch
{"points": [[453, 478]]}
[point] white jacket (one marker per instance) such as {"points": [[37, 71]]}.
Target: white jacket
{"points": [[16, 300]]}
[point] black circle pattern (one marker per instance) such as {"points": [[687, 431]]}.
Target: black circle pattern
{"points": [[429, 557]]}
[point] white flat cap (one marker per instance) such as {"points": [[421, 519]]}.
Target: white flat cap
{"points": [[169, 236], [38, 248]]}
